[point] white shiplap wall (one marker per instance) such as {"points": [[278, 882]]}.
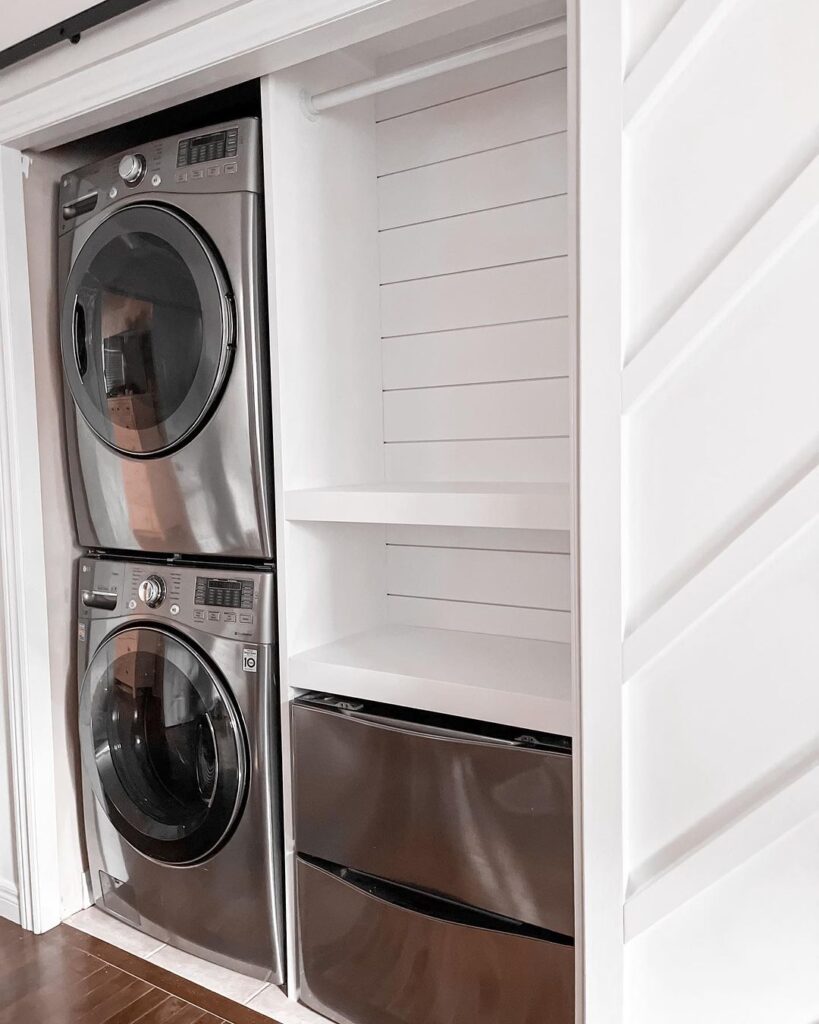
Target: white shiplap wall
{"points": [[473, 220], [721, 554]]}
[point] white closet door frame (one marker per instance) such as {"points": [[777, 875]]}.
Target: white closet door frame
{"points": [[595, 108], [24, 621]]}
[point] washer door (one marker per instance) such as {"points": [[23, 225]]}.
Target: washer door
{"points": [[163, 745], [147, 329]]}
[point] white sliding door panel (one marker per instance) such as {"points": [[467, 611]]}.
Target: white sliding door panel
{"points": [[743, 952], [538, 408], [645, 21], [515, 173], [511, 113], [731, 431], [727, 138], [497, 295], [721, 522], [728, 712], [508, 234]]}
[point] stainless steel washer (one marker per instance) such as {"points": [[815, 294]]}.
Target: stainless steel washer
{"points": [[178, 715], [164, 347]]}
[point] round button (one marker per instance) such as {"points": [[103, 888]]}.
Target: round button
{"points": [[132, 168], [132, 604], [156, 180], [112, 192], [152, 591], [174, 609]]}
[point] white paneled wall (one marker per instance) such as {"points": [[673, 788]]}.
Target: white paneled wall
{"points": [[721, 500], [513, 583], [506, 582], [473, 220], [474, 290]]}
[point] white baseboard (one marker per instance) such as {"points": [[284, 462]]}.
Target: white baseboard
{"points": [[9, 901]]}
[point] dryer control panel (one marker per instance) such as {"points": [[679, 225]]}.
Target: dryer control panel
{"points": [[235, 602], [224, 158]]}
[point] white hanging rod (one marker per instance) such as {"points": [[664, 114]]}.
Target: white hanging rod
{"points": [[426, 69]]}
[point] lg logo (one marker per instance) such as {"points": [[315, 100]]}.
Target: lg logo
{"points": [[249, 659]]}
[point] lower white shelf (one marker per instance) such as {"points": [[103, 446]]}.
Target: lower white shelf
{"points": [[525, 683], [521, 506]]}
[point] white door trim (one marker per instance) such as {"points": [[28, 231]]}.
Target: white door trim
{"points": [[598, 433], [23, 580], [247, 40]]}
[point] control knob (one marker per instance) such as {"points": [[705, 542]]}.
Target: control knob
{"points": [[152, 591], [132, 168]]}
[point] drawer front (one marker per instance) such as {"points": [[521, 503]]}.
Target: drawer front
{"points": [[367, 961], [486, 823]]}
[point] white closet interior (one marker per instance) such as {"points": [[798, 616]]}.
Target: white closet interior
{"points": [[421, 348], [419, 279]]}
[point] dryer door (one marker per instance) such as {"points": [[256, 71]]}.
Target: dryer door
{"points": [[163, 745], [147, 329]]}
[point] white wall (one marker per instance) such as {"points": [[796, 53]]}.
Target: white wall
{"points": [[8, 867], [23, 20], [721, 546]]}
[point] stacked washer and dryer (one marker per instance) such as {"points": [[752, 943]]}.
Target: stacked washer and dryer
{"points": [[164, 350]]}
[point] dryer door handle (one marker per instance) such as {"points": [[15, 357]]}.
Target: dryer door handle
{"points": [[78, 332], [99, 599]]}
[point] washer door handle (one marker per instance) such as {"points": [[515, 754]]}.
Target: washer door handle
{"points": [[78, 331]]}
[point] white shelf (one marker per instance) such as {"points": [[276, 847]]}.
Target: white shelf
{"points": [[508, 680], [520, 506]]}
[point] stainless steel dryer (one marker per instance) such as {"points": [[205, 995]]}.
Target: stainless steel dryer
{"points": [[164, 347], [178, 725]]}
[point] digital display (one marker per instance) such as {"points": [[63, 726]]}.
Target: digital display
{"points": [[224, 593], [201, 148]]}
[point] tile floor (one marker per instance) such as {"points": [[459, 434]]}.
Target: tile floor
{"points": [[260, 996]]}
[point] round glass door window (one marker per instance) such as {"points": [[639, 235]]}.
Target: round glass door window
{"points": [[146, 329], [163, 745]]}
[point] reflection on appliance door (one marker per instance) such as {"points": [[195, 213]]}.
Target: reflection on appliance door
{"points": [[371, 954], [434, 867], [439, 803]]}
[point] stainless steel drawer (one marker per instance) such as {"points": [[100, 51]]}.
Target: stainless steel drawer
{"points": [[478, 818], [367, 959]]}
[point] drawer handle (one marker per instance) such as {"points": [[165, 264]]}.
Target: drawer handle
{"points": [[421, 901]]}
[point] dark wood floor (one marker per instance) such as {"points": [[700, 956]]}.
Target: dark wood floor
{"points": [[68, 977]]}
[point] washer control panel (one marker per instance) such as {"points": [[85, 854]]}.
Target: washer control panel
{"points": [[231, 602]]}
